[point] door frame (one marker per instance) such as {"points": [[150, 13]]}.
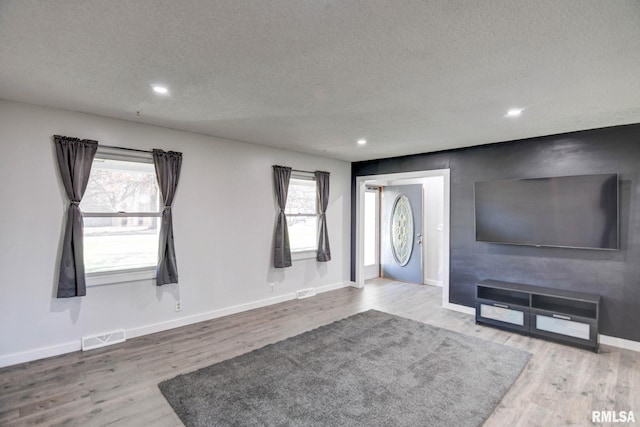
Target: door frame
{"points": [[385, 179]]}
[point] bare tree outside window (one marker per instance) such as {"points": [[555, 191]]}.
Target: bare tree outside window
{"points": [[121, 211]]}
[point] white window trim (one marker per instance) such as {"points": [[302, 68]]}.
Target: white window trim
{"points": [[130, 274], [120, 276], [306, 253]]}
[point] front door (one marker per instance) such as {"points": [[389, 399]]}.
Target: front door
{"points": [[401, 233]]}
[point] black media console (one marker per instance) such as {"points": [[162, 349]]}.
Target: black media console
{"points": [[560, 315]]}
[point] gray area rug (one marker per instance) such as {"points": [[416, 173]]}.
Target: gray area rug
{"points": [[370, 369]]}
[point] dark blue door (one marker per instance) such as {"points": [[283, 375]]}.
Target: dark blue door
{"points": [[401, 233]]}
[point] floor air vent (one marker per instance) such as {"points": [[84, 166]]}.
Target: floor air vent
{"points": [[103, 340], [305, 293]]}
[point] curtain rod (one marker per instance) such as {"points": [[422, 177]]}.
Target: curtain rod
{"points": [[312, 172], [297, 170], [124, 148]]}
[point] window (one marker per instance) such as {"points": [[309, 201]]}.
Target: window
{"points": [[371, 231], [302, 213], [121, 210]]}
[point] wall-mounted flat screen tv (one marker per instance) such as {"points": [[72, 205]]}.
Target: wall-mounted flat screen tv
{"points": [[567, 211]]}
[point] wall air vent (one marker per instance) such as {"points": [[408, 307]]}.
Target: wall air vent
{"points": [[103, 340], [305, 293]]}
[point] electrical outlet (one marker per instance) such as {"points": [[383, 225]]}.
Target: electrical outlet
{"points": [[273, 287], [178, 305]]}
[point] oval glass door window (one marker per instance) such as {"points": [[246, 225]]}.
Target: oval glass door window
{"points": [[402, 230]]}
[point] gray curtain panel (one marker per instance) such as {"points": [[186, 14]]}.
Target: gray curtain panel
{"points": [[281, 247], [75, 157], [168, 166], [322, 184]]}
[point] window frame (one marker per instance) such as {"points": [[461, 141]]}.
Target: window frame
{"points": [[123, 275], [305, 253], [373, 270]]}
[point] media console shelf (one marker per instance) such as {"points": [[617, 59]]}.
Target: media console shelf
{"points": [[566, 316]]}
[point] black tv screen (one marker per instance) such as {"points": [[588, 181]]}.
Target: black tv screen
{"points": [[568, 211]]}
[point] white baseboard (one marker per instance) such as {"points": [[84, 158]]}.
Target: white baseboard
{"points": [[69, 347], [334, 286], [620, 343], [201, 317], [184, 321], [56, 350], [39, 353], [433, 282]]}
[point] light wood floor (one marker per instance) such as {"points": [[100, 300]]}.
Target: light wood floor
{"points": [[117, 385]]}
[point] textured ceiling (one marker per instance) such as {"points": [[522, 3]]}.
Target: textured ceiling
{"points": [[316, 75]]}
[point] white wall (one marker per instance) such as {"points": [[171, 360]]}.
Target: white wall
{"points": [[224, 215]]}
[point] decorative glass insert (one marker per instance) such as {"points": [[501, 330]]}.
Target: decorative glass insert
{"points": [[402, 230]]}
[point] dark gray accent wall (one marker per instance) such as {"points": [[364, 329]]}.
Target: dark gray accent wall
{"points": [[613, 274]]}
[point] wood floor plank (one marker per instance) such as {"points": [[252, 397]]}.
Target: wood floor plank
{"points": [[117, 385], [38, 390], [52, 401], [55, 413], [9, 415]]}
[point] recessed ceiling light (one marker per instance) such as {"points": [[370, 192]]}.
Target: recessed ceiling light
{"points": [[514, 112], [362, 141], [160, 89]]}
